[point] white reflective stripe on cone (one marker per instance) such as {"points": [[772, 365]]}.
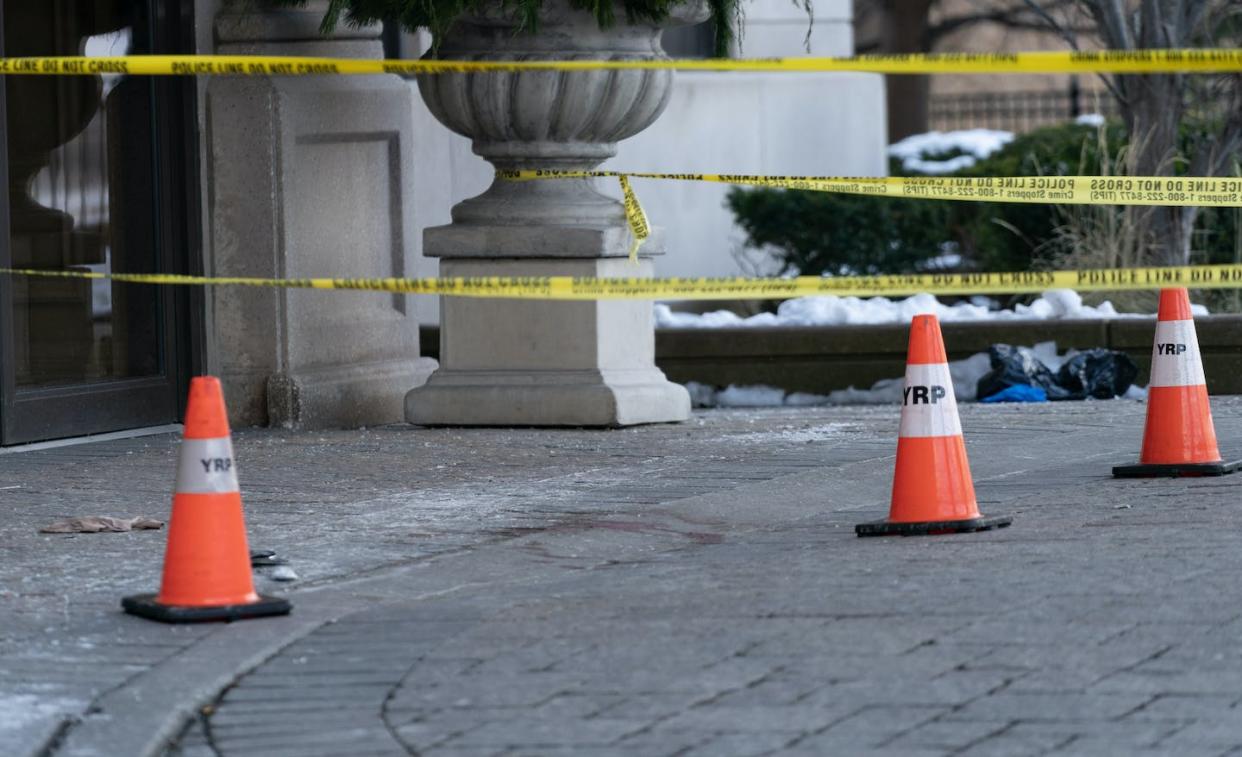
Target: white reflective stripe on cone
{"points": [[206, 467], [1175, 359], [928, 406]]}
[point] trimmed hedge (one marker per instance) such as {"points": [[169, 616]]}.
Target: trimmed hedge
{"points": [[814, 233]]}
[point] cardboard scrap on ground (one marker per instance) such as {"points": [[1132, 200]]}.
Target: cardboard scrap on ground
{"points": [[93, 524]]}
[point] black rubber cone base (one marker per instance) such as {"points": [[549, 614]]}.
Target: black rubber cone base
{"points": [[930, 528], [1176, 470], [144, 605]]}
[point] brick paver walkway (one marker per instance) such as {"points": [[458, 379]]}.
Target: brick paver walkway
{"points": [[692, 589]]}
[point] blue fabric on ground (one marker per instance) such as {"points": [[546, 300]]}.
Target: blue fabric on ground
{"points": [[1018, 393]]}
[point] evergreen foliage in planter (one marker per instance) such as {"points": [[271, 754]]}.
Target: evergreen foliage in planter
{"points": [[438, 16]]}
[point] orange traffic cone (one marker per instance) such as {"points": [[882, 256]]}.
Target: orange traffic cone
{"points": [[207, 563], [932, 490], [1179, 438]]}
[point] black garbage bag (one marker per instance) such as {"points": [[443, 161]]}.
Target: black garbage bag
{"points": [[1018, 366], [1099, 373]]}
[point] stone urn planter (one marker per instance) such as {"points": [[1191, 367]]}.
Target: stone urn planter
{"points": [[511, 362]]}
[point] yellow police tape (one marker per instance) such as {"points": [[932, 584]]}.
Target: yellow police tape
{"points": [[1103, 61], [1063, 190], [571, 288], [635, 218]]}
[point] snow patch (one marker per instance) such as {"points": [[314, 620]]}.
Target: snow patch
{"points": [[976, 144], [830, 310], [1090, 119], [1138, 393], [805, 435], [18, 711], [750, 396]]}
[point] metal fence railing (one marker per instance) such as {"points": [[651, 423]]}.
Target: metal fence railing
{"points": [[1019, 111]]}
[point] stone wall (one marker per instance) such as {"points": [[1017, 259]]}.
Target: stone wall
{"points": [[307, 176], [821, 359]]}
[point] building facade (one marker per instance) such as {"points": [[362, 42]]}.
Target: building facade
{"points": [[292, 177]]}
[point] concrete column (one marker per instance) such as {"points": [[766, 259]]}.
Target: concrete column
{"points": [[781, 29], [509, 362], [309, 177]]}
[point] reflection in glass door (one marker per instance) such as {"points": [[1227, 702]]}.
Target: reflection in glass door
{"points": [[97, 181]]}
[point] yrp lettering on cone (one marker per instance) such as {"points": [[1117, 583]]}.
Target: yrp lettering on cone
{"points": [[912, 395], [1179, 437], [932, 489]]}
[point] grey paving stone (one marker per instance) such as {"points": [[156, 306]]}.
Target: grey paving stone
{"points": [[744, 744], [1219, 734], [323, 744], [823, 746], [581, 751], [576, 705], [435, 730], [653, 705], [777, 690], [1183, 682], [1015, 746], [1186, 708], [874, 727], [949, 688], [322, 696], [945, 735], [260, 702], [665, 742], [463, 752], [353, 749], [532, 691], [1129, 734], [754, 719], [1006, 707], [1091, 747], [651, 591], [361, 679], [527, 733]]}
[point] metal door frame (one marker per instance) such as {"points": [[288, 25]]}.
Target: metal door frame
{"points": [[39, 414]]}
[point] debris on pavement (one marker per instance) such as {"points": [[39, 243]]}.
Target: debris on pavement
{"points": [[1096, 373], [1017, 366], [264, 558], [93, 524], [1099, 373], [1018, 393], [283, 573]]}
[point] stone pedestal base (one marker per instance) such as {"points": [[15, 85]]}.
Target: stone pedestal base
{"points": [[342, 396], [546, 363], [547, 398]]}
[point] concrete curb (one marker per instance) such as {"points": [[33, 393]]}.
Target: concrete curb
{"points": [[144, 715]]}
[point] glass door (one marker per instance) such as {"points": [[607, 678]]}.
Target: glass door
{"points": [[99, 179]]}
